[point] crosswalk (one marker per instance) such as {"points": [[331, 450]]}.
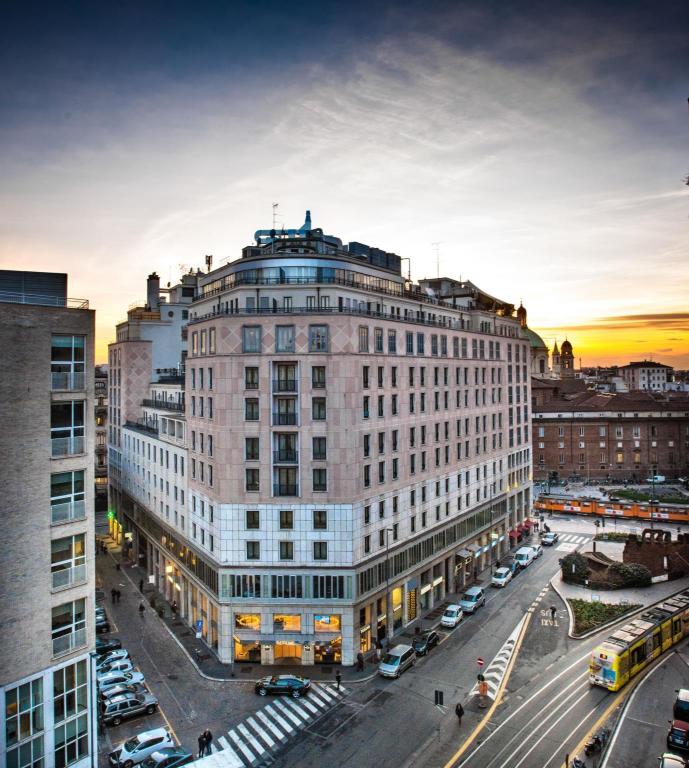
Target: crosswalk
{"points": [[253, 741], [568, 542]]}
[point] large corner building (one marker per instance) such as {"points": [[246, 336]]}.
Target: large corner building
{"points": [[47, 590], [320, 450]]}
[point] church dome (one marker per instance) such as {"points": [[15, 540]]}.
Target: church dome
{"points": [[566, 347], [535, 340]]}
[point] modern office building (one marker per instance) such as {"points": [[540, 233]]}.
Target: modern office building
{"points": [[47, 589], [352, 447]]}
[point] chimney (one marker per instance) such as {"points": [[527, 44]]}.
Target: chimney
{"points": [[152, 291]]}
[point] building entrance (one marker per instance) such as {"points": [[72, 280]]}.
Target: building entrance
{"points": [[287, 652]]}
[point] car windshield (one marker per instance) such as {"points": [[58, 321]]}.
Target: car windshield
{"points": [[132, 744], [500, 574], [469, 598], [390, 660]]}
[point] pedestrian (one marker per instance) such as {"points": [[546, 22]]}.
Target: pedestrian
{"points": [[142, 608], [497, 563], [202, 744], [208, 739], [360, 661], [553, 612], [141, 585], [378, 654], [459, 711], [174, 608], [113, 594], [118, 567], [338, 678], [119, 595]]}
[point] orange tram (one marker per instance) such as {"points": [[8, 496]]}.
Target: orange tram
{"points": [[635, 645], [621, 509]]}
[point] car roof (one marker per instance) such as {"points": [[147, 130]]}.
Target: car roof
{"points": [[682, 725], [502, 569], [152, 734], [683, 694], [124, 696], [473, 591], [398, 650]]}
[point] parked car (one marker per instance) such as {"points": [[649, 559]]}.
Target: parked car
{"points": [[168, 757], [118, 654], [116, 690], [655, 479], [118, 708], [501, 577], [678, 736], [425, 641], [117, 665], [102, 624], [396, 660], [537, 550], [680, 709], [668, 760], [549, 539], [111, 679], [136, 750], [452, 616], [472, 600], [293, 685], [524, 556], [106, 645]]}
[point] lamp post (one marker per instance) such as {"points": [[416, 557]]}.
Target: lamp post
{"points": [[388, 594]]}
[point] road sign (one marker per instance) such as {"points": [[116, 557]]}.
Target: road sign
{"points": [[480, 661], [199, 629]]}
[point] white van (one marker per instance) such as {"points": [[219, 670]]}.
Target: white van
{"points": [[396, 660], [524, 556], [655, 479]]}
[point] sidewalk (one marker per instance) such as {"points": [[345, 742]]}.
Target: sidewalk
{"points": [[207, 663]]}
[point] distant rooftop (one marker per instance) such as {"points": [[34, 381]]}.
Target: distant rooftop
{"points": [[48, 289], [645, 364]]}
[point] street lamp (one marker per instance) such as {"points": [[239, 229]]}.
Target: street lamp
{"points": [[388, 594]]}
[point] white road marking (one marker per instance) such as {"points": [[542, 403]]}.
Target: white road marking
{"points": [[281, 720]]}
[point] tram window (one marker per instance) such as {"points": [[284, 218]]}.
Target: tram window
{"points": [[656, 640], [676, 626], [638, 655]]}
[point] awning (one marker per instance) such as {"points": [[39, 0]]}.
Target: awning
{"points": [[513, 534], [474, 548], [464, 553]]}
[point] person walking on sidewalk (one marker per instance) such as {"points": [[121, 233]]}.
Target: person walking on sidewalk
{"points": [[119, 595], [360, 661], [338, 678], [142, 608], [553, 612], [208, 739], [459, 711], [113, 594], [141, 585], [202, 744]]}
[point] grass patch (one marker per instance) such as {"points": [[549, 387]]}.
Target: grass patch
{"points": [[589, 615], [643, 496], [612, 536]]}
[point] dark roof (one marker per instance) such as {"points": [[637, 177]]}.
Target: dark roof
{"points": [[592, 401], [645, 364]]}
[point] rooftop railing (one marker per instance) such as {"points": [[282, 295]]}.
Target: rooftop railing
{"points": [[11, 297]]}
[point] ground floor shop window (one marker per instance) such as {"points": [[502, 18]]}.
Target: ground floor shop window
{"points": [[287, 652], [327, 622], [286, 622], [250, 621], [328, 652], [248, 651]]}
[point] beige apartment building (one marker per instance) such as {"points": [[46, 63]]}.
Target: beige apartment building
{"points": [[357, 448], [47, 590]]}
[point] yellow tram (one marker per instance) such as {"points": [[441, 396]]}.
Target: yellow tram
{"points": [[632, 647]]}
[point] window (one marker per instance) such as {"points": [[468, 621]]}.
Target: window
{"points": [[253, 550], [67, 362], [68, 626], [367, 514], [67, 496], [319, 448], [318, 338], [251, 479], [286, 550], [320, 550], [378, 339], [367, 544], [211, 345], [363, 338], [70, 690], [318, 376], [365, 377], [253, 520], [286, 520], [284, 338], [24, 720], [409, 344], [251, 338], [366, 407], [67, 561], [318, 408], [392, 342], [286, 622], [67, 427], [251, 409], [320, 519], [320, 480], [251, 449], [251, 377], [367, 475]]}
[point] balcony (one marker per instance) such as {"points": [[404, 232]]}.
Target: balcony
{"points": [[68, 577], [280, 489], [67, 446], [285, 419], [284, 385], [66, 511], [70, 642], [67, 381], [147, 427], [286, 456], [164, 405]]}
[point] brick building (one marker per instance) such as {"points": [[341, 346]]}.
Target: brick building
{"points": [[596, 435]]}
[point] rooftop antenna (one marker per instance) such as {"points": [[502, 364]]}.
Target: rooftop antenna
{"points": [[436, 251], [275, 215]]}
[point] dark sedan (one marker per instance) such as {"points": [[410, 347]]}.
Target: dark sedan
{"points": [[102, 624], [168, 757], [104, 646], [423, 643], [278, 684]]}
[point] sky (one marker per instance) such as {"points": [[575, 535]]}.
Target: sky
{"points": [[541, 145]]}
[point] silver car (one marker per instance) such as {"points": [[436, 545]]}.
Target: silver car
{"points": [[119, 678]]}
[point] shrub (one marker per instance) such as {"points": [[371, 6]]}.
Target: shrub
{"points": [[575, 568], [630, 574], [590, 615]]}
